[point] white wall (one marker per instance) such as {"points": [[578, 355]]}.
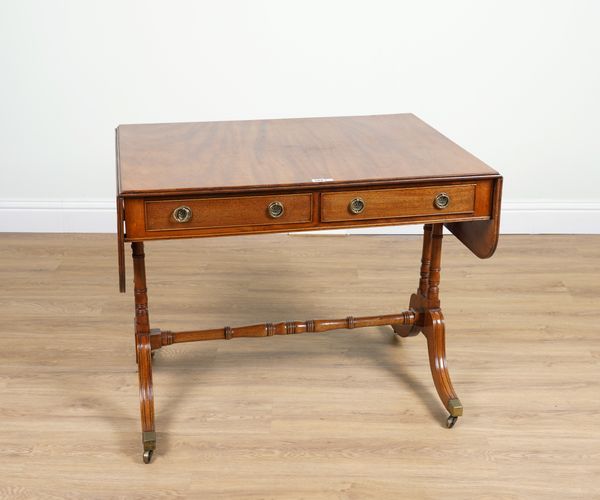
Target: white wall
{"points": [[515, 82]]}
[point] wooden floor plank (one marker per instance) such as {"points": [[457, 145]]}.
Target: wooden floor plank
{"points": [[339, 415]]}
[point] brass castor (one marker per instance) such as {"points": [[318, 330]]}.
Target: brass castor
{"points": [[148, 456], [451, 421], [149, 442]]}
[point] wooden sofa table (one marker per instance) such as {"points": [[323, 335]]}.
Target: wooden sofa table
{"points": [[192, 180]]}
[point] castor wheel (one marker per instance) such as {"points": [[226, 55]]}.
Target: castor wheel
{"points": [[148, 456], [451, 421]]}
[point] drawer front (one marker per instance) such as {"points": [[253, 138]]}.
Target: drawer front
{"points": [[397, 203], [183, 214]]}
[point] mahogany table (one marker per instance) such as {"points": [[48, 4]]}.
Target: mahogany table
{"points": [[192, 180]]}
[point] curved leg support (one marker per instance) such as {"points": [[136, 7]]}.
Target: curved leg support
{"points": [[434, 331], [430, 320], [146, 396], [143, 349]]}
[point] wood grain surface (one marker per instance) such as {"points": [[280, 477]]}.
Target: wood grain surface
{"points": [[338, 415], [400, 202], [234, 211], [287, 152]]}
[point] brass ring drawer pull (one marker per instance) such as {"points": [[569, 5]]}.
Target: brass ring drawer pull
{"points": [[275, 209], [441, 201], [182, 214], [357, 205]]}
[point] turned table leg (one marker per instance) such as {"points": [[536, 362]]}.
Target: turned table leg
{"points": [[143, 351], [426, 305], [416, 300]]}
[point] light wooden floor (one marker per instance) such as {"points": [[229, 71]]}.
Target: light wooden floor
{"points": [[343, 415]]}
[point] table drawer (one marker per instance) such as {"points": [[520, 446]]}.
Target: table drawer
{"points": [[184, 214], [395, 203]]}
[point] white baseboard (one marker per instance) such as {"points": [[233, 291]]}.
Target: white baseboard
{"points": [[58, 216], [98, 216]]}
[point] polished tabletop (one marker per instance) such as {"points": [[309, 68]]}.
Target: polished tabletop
{"points": [[238, 155]]}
